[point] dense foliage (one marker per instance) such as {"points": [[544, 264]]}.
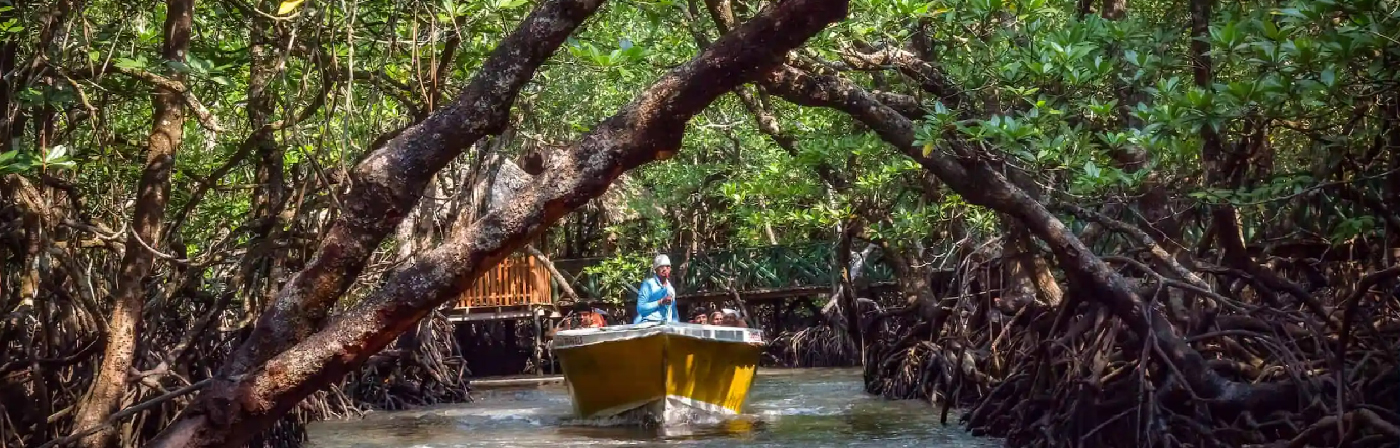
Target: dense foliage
{"points": [[1237, 162]]}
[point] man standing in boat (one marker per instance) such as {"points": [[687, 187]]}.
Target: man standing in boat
{"points": [[656, 298]]}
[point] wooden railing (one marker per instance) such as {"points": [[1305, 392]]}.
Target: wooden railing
{"points": [[517, 280]]}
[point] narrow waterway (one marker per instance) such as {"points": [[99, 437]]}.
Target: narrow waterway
{"points": [[787, 408]]}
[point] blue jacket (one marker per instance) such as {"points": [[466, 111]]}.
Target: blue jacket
{"points": [[649, 307]]}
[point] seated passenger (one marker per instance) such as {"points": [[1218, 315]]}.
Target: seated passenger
{"points": [[700, 318], [731, 319], [581, 316]]}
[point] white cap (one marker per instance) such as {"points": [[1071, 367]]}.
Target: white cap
{"points": [[730, 312], [661, 260]]}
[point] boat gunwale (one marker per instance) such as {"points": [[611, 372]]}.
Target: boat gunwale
{"points": [[568, 339]]}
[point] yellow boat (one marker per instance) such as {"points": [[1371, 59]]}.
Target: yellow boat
{"points": [[659, 373]]}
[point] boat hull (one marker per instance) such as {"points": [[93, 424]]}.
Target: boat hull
{"points": [[659, 373]]}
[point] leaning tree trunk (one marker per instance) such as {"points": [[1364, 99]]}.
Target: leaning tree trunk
{"points": [[650, 128], [968, 173], [565, 286], [153, 193], [388, 183]]}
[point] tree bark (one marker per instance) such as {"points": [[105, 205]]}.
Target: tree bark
{"points": [[649, 128], [255, 275], [1029, 277], [167, 131], [848, 296], [1114, 9]]}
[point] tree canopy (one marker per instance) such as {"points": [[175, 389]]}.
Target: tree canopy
{"points": [[214, 210]]}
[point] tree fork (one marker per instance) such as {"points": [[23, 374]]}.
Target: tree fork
{"points": [[650, 128], [388, 183], [167, 131]]}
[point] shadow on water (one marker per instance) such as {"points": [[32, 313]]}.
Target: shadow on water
{"points": [[788, 408]]}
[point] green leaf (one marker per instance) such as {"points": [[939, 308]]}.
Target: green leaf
{"points": [[1291, 12], [1329, 77], [56, 153], [178, 66], [133, 64]]}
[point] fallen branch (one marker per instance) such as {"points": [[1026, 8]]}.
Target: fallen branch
{"points": [[559, 278]]}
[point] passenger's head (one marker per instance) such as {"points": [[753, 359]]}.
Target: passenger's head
{"points": [[700, 318], [731, 317], [717, 318], [580, 307], [661, 266]]}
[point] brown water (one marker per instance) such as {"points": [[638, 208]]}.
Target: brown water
{"points": [[804, 408]]}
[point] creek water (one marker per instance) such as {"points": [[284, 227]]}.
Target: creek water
{"points": [[804, 408]]}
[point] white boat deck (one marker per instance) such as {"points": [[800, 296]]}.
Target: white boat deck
{"points": [[588, 336]]}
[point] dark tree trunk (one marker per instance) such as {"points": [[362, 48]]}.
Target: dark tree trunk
{"points": [[269, 194], [1114, 9], [1084, 8], [847, 285], [153, 193]]}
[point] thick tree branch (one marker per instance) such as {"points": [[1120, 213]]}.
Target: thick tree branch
{"points": [[388, 183], [650, 128], [930, 78]]}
